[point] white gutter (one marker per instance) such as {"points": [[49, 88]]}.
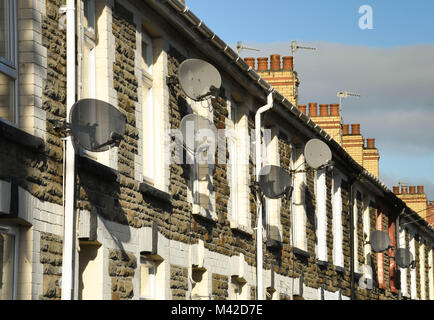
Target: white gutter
{"points": [[68, 263], [259, 263]]}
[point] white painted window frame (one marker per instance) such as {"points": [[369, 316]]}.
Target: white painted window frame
{"points": [[10, 67], [321, 210], [148, 112], [338, 255], [13, 231]]}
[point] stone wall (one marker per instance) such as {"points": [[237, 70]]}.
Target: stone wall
{"points": [[51, 259], [121, 269], [178, 282], [220, 287]]}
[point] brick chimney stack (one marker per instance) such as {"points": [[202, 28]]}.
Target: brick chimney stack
{"points": [[353, 143], [414, 197], [371, 157], [280, 74], [329, 120]]}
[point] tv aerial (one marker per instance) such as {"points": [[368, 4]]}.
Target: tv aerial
{"points": [[275, 182], [94, 125], [295, 47], [241, 47], [317, 154], [199, 79]]}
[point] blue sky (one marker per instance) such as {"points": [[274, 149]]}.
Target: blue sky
{"points": [[396, 22], [390, 66]]}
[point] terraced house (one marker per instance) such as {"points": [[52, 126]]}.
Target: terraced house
{"points": [[141, 231]]}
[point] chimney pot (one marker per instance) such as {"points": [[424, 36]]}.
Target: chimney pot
{"points": [[288, 63], [323, 110], [250, 62], [313, 109], [275, 62], [396, 190], [355, 129], [420, 190], [412, 190], [370, 143], [404, 190], [302, 108], [334, 109], [262, 64], [346, 129]]}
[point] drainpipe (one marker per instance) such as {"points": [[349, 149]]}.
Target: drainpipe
{"points": [[259, 263], [351, 217], [69, 245]]}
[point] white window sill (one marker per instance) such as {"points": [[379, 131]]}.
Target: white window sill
{"points": [[241, 228], [205, 215]]}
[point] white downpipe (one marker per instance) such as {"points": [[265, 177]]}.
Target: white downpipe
{"points": [[259, 262], [68, 264]]}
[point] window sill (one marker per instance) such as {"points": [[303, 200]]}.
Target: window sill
{"points": [[155, 193], [18, 136], [301, 252], [274, 244], [340, 269], [97, 169], [235, 226], [203, 215], [322, 264]]}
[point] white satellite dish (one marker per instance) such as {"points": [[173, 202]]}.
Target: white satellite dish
{"points": [[317, 153], [197, 131], [199, 79], [379, 241], [274, 181]]}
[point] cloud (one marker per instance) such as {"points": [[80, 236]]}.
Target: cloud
{"points": [[397, 96]]}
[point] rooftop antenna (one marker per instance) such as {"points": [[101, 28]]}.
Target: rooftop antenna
{"points": [[295, 47], [343, 95], [241, 47]]}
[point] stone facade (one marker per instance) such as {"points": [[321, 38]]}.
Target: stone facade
{"points": [[51, 259], [121, 269]]}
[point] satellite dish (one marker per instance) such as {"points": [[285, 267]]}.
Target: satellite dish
{"points": [[403, 257], [96, 125], [274, 181], [197, 131], [379, 241], [199, 79], [317, 153]]}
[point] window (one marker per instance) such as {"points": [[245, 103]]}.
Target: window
{"points": [[8, 62], [91, 265], [299, 227], [8, 262], [152, 275], [321, 196], [238, 289], [200, 286], [338, 256], [149, 115], [233, 158], [270, 154]]}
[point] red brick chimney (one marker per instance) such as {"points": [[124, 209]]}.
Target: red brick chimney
{"points": [[302, 108], [323, 110], [250, 62], [275, 62], [334, 110], [355, 129], [396, 190], [412, 190], [346, 129], [288, 63], [313, 109], [420, 190], [370, 143], [262, 64]]}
